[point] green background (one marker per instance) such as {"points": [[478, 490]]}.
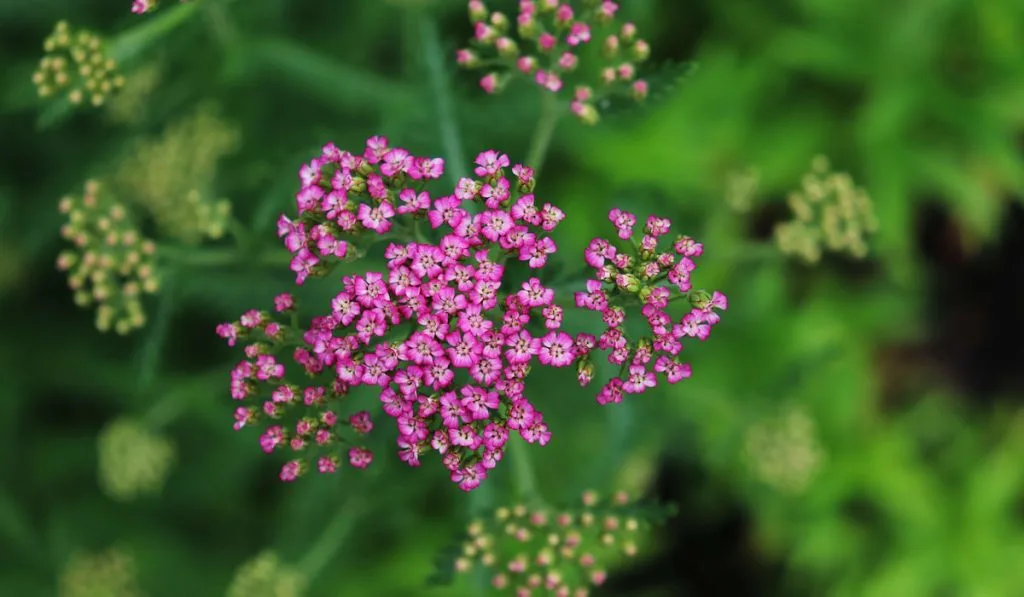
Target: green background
{"points": [[919, 491]]}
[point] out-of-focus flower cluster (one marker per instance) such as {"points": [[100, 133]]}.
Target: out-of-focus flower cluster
{"points": [[172, 176], [432, 336], [76, 65], [783, 452], [130, 105], [740, 189], [110, 573], [110, 266], [143, 6], [649, 277], [542, 551], [830, 213], [133, 460], [549, 46], [267, 576]]}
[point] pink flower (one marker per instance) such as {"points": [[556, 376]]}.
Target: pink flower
{"points": [[360, 457], [556, 349]]}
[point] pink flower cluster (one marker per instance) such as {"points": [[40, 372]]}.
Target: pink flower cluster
{"points": [[634, 277], [433, 336], [556, 32]]}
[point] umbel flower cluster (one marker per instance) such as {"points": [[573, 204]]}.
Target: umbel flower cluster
{"points": [[540, 551], [171, 176], [134, 461], [445, 336], [77, 66], [783, 451], [650, 278], [110, 265], [550, 46], [267, 576], [829, 214], [110, 573]]}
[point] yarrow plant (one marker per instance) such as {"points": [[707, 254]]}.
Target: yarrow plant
{"points": [[643, 276], [76, 65], [784, 452], [432, 335], [111, 265], [442, 336], [830, 214], [551, 49], [111, 573], [530, 551], [442, 299], [133, 460]]}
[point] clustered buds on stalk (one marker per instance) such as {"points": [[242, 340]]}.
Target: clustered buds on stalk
{"points": [[133, 461], [76, 64], [783, 451], [830, 213], [266, 575], [636, 276], [171, 176], [143, 6], [446, 353], [540, 551], [552, 39], [111, 265], [110, 573]]}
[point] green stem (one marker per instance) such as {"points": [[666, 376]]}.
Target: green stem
{"points": [[149, 358], [332, 537], [522, 469], [550, 111], [430, 39], [150, 30]]}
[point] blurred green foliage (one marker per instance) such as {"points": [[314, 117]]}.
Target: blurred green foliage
{"points": [[915, 493]]}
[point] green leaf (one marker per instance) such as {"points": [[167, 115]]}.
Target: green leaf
{"points": [[661, 82]]}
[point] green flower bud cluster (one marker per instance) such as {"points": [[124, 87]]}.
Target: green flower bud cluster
{"points": [[111, 265], [783, 452], [76, 65], [830, 214], [133, 460], [539, 551], [110, 573], [741, 188], [172, 176], [267, 576]]}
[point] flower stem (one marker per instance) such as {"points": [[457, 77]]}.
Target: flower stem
{"points": [[550, 111], [332, 537], [435, 63], [522, 469], [149, 357]]}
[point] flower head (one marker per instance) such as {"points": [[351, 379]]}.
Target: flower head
{"points": [[133, 460], [111, 572], [553, 551], [649, 276], [76, 66], [110, 264], [546, 47], [267, 576], [445, 354], [829, 214]]}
